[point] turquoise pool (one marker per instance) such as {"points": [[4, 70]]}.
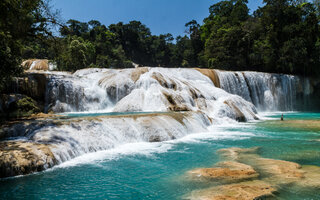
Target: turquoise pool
{"points": [[156, 170]]}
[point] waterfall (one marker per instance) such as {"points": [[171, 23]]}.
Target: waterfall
{"points": [[234, 83], [70, 93], [144, 89], [266, 91], [123, 91], [70, 138], [200, 98], [131, 90], [161, 89]]}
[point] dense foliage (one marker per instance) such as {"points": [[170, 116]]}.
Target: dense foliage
{"points": [[282, 36], [21, 23]]}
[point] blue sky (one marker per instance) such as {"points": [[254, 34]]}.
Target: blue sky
{"points": [[161, 16]]}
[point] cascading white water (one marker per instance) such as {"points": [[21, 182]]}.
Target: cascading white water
{"points": [[66, 93], [128, 90], [234, 83], [144, 89], [266, 91], [154, 90], [78, 137]]}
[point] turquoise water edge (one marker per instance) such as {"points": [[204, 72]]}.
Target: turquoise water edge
{"points": [[157, 170]]}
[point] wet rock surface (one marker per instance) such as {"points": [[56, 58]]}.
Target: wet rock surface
{"points": [[228, 171], [212, 74], [19, 158], [240, 191], [98, 89], [18, 105], [35, 64], [31, 84], [47, 140]]}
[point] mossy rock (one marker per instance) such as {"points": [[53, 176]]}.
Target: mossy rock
{"points": [[17, 105], [27, 105]]}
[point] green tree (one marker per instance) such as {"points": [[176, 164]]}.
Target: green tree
{"points": [[79, 54], [192, 56], [21, 21], [288, 40], [226, 44]]}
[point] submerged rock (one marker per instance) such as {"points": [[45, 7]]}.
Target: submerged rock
{"points": [[228, 171], [240, 191], [279, 171], [234, 153], [276, 171], [302, 156], [246, 163], [311, 177], [306, 125]]}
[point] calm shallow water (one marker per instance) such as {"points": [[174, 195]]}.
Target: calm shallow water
{"points": [[95, 114], [155, 170]]}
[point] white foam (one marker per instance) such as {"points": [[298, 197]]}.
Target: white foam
{"points": [[140, 148], [214, 133], [151, 149]]}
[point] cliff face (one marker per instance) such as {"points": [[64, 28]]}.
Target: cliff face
{"points": [[24, 96], [31, 84]]}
